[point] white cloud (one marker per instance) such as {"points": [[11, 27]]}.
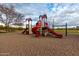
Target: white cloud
{"points": [[66, 13], [60, 12]]}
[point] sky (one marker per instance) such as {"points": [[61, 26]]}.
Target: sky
{"points": [[60, 12]]}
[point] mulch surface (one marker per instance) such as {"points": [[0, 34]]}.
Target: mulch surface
{"points": [[17, 44]]}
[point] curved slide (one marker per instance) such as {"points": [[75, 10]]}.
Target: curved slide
{"points": [[57, 35], [36, 28]]}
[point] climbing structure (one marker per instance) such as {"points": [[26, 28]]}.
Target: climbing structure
{"points": [[42, 28]]}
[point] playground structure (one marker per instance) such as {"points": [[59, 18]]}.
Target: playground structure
{"points": [[41, 28], [28, 26]]}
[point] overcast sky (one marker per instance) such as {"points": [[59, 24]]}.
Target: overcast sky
{"points": [[61, 13]]}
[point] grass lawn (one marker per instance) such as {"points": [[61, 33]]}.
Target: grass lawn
{"points": [[76, 32]]}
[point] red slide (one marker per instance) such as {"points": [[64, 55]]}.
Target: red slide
{"points": [[57, 35], [36, 28]]}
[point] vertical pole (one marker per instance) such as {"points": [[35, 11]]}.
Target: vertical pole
{"points": [[27, 27], [45, 20], [26, 24], [66, 30], [53, 24], [30, 27]]}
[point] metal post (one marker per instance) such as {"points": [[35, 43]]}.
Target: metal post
{"points": [[53, 24], [66, 29]]}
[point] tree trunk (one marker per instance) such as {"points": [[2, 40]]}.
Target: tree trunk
{"points": [[6, 28], [7, 25]]}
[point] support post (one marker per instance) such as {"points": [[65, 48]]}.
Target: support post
{"points": [[30, 26], [66, 29], [53, 24]]}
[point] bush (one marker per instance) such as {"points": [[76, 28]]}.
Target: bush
{"points": [[10, 29], [1, 27], [20, 28]]}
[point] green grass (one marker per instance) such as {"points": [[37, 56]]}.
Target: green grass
{"points": [[70, 31], [62, 31]]}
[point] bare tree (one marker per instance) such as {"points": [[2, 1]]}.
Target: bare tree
{"points": [[10, 15], [19, 19]]}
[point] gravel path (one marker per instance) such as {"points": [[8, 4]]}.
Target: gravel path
{"points": [[17, 44]]}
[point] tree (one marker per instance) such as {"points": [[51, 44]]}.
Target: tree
{"points": [[11, 15], [19, 19]]}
